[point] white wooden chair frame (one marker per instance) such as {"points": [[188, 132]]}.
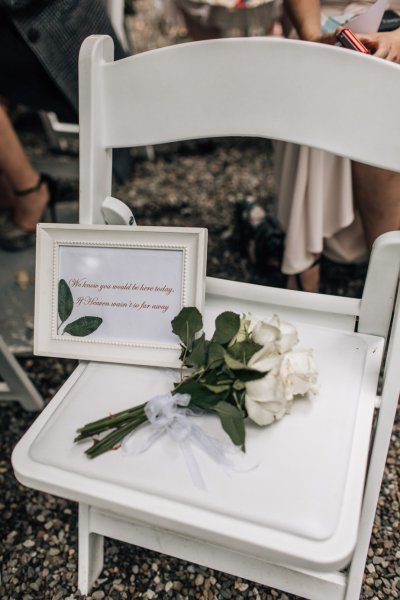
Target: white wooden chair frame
{"points": [[277, 89]]}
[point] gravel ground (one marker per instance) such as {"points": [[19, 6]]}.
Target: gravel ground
{"points": [[187, 184]]}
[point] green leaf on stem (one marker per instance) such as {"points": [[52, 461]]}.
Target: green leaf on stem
{"points": [[227, 325], [233, 363], [197, 357], [232, 421], [243, 351], [216, 354], [83, 326], [186, 324], [201, 397], [65, 300], [241, 371], [217, 389], [245, 375]]}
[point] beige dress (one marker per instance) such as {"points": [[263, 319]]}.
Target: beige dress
{"points": [[315, 200], [231, 17]]}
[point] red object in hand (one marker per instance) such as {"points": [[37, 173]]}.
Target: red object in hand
{"points": [[347, 38]]}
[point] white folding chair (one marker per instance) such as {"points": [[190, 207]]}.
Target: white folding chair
{"points": [[302, 520]]}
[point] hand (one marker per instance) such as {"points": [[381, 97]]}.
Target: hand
{"points": [[324, 38], [385, 44]]}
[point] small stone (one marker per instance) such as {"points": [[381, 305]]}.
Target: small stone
{"points": [[199, 580], [241, 586], [177, 586], [28, 543], [10, 537]]}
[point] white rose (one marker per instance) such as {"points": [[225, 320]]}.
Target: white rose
{"points": [[265, 359], [299, 373], [268, 399], [265, 398], [247, 322], [274, 335]]}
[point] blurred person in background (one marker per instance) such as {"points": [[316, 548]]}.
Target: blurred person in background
{"points": [[39, 47], [328, 204], [208, 19]]}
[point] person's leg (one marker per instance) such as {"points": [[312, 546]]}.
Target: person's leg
{"points": [[21, 176], [377, 197], [308, 280]]}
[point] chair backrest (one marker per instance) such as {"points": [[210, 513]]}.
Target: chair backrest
{"points": [[313, 94]]}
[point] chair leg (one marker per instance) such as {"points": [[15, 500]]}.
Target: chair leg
{"points": [[17, 385], [90, 552]]}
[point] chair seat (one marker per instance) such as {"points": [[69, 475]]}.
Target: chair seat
{"points": [[300, 504]]}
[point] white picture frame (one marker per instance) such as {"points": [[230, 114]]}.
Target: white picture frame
{"points": [[109, 293]]}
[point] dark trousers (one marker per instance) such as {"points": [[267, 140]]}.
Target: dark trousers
{"points": [[23, 79]]}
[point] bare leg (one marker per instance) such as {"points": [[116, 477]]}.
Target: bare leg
{"points": [[309, 279], [20, 174], [377, 197]]}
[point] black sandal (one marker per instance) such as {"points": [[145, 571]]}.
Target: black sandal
{"points": [[52, 187], [13, 237]]}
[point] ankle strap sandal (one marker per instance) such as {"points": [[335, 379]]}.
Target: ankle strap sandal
{"points": [[52, 186]]}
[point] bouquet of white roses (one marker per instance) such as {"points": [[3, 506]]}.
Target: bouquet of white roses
{"points": [[248, 369]]}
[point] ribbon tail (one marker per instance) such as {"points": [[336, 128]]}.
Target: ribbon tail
{"points": [[221, 453], [192, 465], [130, 446]]}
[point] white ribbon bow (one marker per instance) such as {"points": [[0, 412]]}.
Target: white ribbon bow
{"points": [[169, 414]]}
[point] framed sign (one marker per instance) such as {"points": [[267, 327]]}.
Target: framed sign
{"points": [[109, 293]]}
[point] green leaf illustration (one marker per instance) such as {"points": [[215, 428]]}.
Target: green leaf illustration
{"points": [[83, 326], [232, 422], [186, 324], [227, 325], [65, 300]]}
